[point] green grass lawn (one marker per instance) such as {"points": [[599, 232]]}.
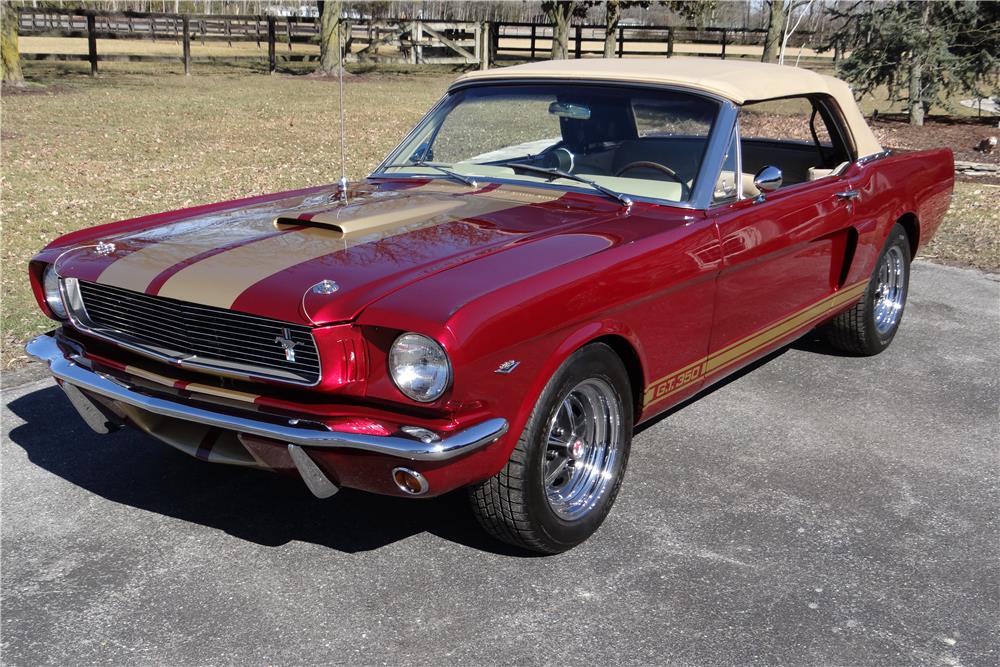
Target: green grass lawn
{"points": [[78, 152]]}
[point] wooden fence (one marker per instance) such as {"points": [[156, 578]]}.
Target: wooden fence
{"points": [[412, 41]]}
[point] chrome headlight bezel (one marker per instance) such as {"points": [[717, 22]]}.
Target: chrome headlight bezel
{"points": [[411, 351], [53, 293]]}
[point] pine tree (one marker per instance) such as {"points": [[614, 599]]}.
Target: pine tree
{"points": [[923, 52]]}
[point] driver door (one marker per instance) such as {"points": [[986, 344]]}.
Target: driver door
{"points": [[783, 256]]}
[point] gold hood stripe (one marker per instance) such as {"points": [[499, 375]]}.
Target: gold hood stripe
{"points": [[139, 269], [220, 279], [136, 270]]}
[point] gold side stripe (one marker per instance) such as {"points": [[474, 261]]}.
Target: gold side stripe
{"points": [[714, 363]]}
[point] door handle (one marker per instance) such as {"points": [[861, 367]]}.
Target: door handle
{"points": [[847, 195]]}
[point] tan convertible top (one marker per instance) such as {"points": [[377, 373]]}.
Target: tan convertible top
{"points": [[736, 80]]}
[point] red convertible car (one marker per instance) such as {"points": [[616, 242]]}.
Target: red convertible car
{"points": [[557, 252]]}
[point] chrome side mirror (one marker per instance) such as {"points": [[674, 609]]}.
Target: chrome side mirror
{"points": [[767, 179]]}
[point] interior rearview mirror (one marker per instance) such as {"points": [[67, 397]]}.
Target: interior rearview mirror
{"points": [[567, 110]]}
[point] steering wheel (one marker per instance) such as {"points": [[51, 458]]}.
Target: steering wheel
{"points": [[645, 164]]}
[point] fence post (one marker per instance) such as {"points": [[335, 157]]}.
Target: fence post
{"points": [[484, 45], [186, 20], [272, 31], [621, 41], [670, 42], [418, 37], [92, 42], [723, 43], [579, 42], [288, 31], [534, 30]]}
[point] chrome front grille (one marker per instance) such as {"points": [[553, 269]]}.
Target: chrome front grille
{"points": [[197, 336]]}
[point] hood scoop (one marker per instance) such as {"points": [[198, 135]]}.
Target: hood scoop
{"points": [[369, 217]]}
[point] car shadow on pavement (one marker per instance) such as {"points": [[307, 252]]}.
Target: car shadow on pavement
{"points": [[131, 468]]}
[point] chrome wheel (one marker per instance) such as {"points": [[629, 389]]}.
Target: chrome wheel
{"points": [[890, 290], [583, 446]]}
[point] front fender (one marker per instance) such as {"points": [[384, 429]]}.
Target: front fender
{"points": [[514, 395]]}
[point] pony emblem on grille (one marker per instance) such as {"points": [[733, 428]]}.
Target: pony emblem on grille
{"points": [[287, 344]]}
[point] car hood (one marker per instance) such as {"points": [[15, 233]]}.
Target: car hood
{"points": [[267, 258]]}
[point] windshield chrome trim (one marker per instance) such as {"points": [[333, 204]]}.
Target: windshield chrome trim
{"points": [[715, 156], [701, 196]]}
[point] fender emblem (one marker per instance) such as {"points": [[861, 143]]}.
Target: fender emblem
{"points": [[287, 344], [507, 366]]}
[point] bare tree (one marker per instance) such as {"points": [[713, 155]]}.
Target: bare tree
{"points": [[613, 17], [10, 55], [329, 37], [561, 12], [775, 30]]}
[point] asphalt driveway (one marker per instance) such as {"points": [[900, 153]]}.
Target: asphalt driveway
{"points": [[818, 509]]}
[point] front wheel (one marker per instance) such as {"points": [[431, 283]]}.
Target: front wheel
{"points": [[565, 471], [870, 326]]}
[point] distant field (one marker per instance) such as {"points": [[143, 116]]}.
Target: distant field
{"points": [[141, 138]]}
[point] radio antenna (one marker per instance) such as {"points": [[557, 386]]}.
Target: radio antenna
{"points": [[343, 140]]}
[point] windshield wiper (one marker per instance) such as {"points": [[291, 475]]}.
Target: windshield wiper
{"points": [[468, 180], [623, 199]]}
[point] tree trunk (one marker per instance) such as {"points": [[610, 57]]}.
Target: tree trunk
{"points": [[916, 103], [10, 56], [329, 37], [916, 95], [775, 31], [611, 28], [560, 15]]}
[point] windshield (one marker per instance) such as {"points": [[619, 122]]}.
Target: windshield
{"points": [[633, 141]]}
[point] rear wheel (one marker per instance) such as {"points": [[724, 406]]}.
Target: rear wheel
{"points": [[565, 471], [871, 324]]}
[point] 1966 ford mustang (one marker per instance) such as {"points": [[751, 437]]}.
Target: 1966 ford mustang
{"points": [[557, 252]]}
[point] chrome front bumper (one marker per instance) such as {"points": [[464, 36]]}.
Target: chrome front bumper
{"points": [[68, 368]]}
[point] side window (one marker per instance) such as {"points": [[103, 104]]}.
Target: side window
{"points": [[730, 179], [788, 119], [794, 134]]}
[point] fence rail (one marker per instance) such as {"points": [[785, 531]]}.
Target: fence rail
{"points": [[412, 41]]}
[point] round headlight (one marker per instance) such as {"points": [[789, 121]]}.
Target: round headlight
{"points": [[53, 297], [419, 367]]}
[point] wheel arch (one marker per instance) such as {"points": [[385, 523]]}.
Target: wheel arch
{"points": [[616, 335], [908, 221], [633, 366]]}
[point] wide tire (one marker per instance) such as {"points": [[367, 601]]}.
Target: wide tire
{"points": [[565, 471], [869, 327]]}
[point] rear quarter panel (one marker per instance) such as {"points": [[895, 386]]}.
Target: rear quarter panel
{"points": [[918, 183]]}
